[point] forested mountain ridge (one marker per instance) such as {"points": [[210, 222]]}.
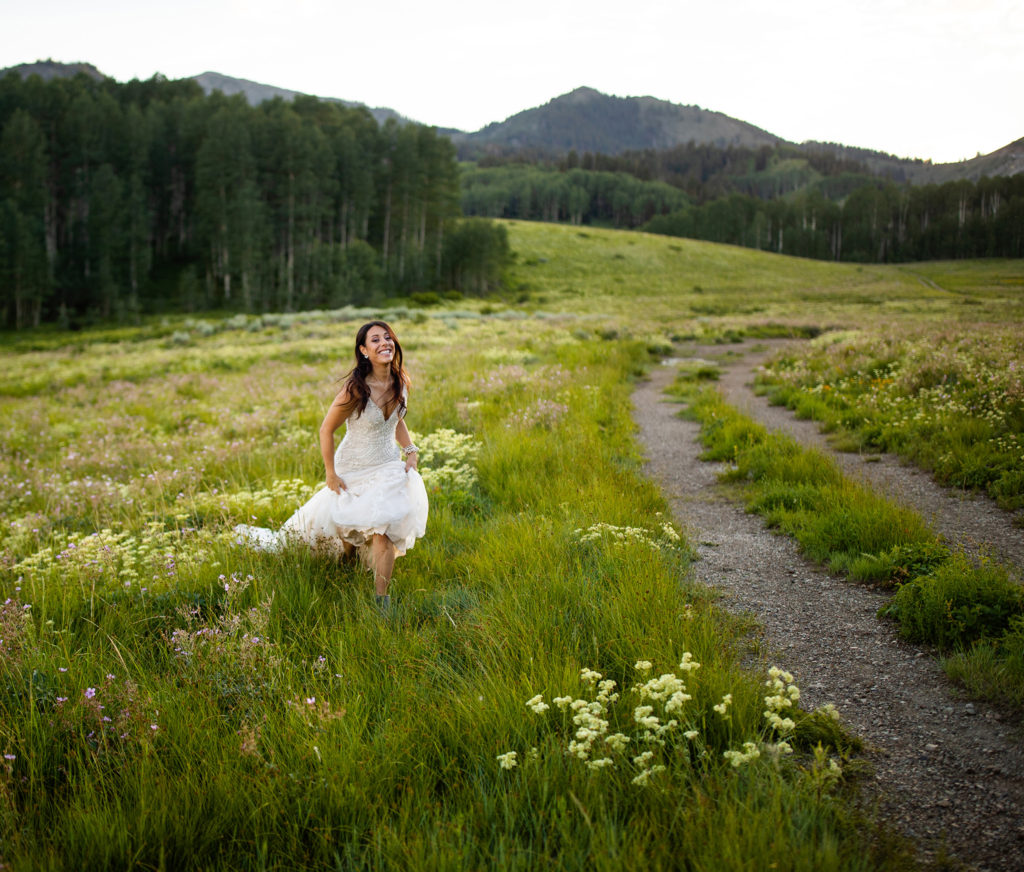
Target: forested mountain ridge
{"points": [[587, 120], [51, 69], [1005, 161], [256, 92]]}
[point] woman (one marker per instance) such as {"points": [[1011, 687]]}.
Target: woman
{"points": [[372, 500]]}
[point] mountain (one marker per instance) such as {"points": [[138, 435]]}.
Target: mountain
{"points": [[256, 93], [587, 120], [51, 69], [1005, 161]]}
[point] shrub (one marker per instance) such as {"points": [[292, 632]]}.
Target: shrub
{"points": [[957, 605]]}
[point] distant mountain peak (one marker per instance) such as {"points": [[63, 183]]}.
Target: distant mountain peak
{"points": [[51, 69], [586, 119], [256, 92]]}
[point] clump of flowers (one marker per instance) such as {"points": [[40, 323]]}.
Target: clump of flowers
{"points": [[237, 637], [540, 413], [112, 717], [118, 558], [17, 633], [248, 505], [663, 730], [447, 459], [665, 537]]}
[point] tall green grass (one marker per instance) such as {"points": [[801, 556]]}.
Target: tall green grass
{"points": [[263, 715]]}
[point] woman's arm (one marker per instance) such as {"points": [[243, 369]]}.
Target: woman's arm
{"points": [[405, 440], [334, 418]]}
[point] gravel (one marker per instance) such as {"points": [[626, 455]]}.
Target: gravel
{"points": [[947, 772]]}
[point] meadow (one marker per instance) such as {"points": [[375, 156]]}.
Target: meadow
{"points": [[552, 688]]}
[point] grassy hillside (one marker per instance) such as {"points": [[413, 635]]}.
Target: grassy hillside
{"points": [[632, 279]]}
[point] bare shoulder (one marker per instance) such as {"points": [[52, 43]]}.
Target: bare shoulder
{"points": [[343, 397]]}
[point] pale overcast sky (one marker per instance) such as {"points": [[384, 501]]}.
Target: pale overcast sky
{"points": [[939, 79]]}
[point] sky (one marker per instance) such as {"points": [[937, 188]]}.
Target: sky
{"points": [[940, 80]]}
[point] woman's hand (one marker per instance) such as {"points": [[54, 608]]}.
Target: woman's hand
{"points": [[335, 483], [411, 461]]}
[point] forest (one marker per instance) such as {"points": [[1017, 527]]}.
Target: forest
{"points": [[876, 223], [781, 199], [121, 199], [538, 193]]}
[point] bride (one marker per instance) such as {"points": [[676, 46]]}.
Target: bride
{"points": [[373, 500]]}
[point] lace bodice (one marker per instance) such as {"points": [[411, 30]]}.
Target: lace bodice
{"points": [[369, 440]]}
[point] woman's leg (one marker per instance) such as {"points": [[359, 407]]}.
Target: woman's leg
{"points": [[382, 556]]}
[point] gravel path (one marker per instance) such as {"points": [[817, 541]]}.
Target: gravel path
{"points": [[946, 772], [973, 521]]}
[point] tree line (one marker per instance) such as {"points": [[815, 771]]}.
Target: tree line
{"points": [[578, 196], [806, 202], [874, 223], [118, 199], [702, 170]]}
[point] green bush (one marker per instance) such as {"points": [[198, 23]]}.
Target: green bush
{"points": [[957, 605]]}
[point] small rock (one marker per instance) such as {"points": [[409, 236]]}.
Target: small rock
{"points": [[931, 746], [969, 708]]}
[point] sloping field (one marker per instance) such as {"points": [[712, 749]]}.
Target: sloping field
{"points": [[169, 700]]}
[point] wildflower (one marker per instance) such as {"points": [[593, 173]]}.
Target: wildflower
{"points": [[589, 675], [617, 741], [310, 700], [600, 763], [507, 760], [691, 734], [10, 756], [641, 712], [562, 701], [643, 665], [688, 663], [676, 701], [829, 710], [644, 758], [537, 705], [749, 753], [90, 692], [723, 706], [643, 779]]}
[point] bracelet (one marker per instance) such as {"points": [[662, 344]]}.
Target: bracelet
{"points": [[410, 449]]}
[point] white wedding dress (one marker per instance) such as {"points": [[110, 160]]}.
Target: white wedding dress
{"points": [[379, 495]]}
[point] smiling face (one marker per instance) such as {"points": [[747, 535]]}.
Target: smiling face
{"points": [[378, 346]]}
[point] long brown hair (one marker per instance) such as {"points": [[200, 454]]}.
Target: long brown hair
{"points": [[355, 379]]}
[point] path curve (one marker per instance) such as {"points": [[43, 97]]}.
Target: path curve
{"points": [[971, 521], [943, 769]]}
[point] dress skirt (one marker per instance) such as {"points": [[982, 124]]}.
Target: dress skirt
{"points": [[378, 499]]}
